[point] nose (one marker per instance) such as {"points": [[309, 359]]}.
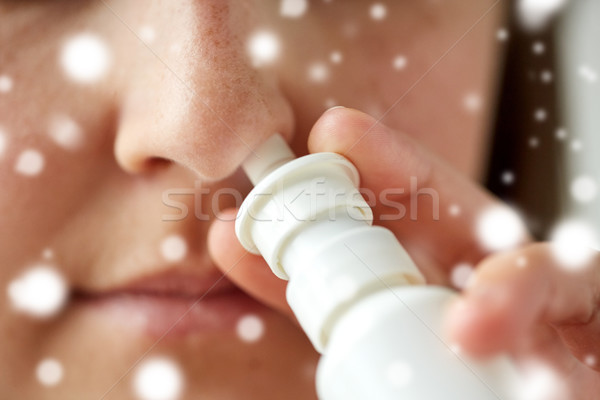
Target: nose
{"points": [[202, 105]]}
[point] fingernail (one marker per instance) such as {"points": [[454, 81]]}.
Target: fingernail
{"points": [[333, 108]]}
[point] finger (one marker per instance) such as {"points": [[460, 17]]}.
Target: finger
{"points": [[512, 293], [249, 272], [390, 162]]}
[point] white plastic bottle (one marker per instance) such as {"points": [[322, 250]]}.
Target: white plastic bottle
{"points": [[354, 289]]}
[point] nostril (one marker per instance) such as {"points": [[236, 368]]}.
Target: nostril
{"points": [[147, 166], [156, 164]]}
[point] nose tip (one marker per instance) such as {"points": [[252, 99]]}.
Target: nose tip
{"points": [[210, 134], [209, 113]]}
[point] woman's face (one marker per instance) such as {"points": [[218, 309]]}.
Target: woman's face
{"points": [[115, 115]]}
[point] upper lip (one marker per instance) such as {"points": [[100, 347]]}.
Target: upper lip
{"points": [[170, 283]]}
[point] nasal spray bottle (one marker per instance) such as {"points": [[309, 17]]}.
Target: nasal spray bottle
{"points": [[354, 289]]}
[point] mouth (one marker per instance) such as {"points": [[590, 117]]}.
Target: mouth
{"points": [[172, 304]]}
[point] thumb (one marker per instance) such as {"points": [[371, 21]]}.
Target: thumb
{"points": [[248, 271]]}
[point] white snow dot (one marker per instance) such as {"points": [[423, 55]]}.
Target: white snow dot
{"points": [[48, 254], [263, 47], [576, 145], [454, 210], [30, 162], [85, 58], [538, 48], [176, 48], [534, 142], [508, 177], [540, 382], [399, 374], [65, 132], [461, 274], [500, 228], [400, 62], [6, 84], [502, 34], [546, 76], [472, 102], [588, 73], [49, 372], [330, 102], [561, 133], [147, 34], [540, 114], [336, 57], [173, 248], [378, 11], [40, 291], [350, 29], [250, 328], [158, 379], [309, 370], [455, 348], [318, 72], [3, 142], [573, 243], [590, 360], [534, 14], [521, 261], [584, 189], [293, 8]]}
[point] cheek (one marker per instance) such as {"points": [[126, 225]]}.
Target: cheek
{"points": [[415, 79], [46, 173]]}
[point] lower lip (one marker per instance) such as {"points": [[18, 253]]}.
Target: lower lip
{"points": [[163, 316]]}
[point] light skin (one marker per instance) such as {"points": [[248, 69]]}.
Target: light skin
{"points": [[190, 107]]}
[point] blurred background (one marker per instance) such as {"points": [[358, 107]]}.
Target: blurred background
{"points": [[548, 121]]}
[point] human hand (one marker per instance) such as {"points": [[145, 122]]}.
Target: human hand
{"points": [[520, 301]]}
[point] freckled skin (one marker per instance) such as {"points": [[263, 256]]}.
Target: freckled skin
{"points": [[190, 108]]}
